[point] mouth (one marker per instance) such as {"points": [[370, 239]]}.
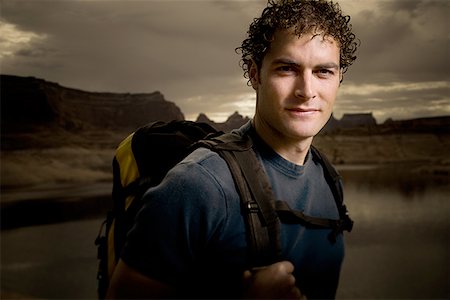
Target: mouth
{"points": [[302, 111]]}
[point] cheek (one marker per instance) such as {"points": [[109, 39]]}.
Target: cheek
{"points": [[267, 93], [279, 89], [329, 93]]}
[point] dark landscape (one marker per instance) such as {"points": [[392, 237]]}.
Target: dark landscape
{"points": [[57, 146], [47, 129]]}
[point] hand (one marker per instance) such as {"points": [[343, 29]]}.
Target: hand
{"points": [[271, 282]]}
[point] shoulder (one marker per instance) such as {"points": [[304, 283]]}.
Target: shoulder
{"points": [[203, 157], [204, 165], [203, 176], [330, 171], [181, 216], [321, 158]]}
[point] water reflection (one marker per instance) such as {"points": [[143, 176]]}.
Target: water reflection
{"points": [[410, 180], [400, 247]]}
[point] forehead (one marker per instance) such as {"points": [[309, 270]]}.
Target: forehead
{"points": [[308, 45]]}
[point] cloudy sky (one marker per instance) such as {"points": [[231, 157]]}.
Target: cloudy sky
{"points": [[185, 49]]}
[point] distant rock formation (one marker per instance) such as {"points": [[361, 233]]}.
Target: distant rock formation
{"points": [[202, 118], [358, 120], [439, 124], [37, 113], [361, 121], [234, 121], [331, 126], [27, 102]]}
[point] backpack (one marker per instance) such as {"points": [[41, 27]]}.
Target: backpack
{"points": [[145, 156]]}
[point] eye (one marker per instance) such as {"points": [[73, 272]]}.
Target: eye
{"points": [[325, 73], [285, 69]]}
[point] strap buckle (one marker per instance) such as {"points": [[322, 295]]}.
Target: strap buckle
{"points": [[252, 207]]}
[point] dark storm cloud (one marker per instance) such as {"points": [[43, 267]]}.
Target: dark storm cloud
{"points": [[403, 41], [402, 70], [185, 49]]}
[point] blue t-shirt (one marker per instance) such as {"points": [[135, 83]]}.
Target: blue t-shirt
{"points": [[191, 232]]}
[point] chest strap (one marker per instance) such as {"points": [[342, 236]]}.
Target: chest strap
{"points": [[291, 216]]}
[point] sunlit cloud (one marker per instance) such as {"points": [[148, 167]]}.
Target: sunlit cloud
{"points": [[399, 100], [219, 107], [13, 40], [369, 89]]}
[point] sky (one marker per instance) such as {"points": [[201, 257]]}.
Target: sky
{"points": [[186, 50]]}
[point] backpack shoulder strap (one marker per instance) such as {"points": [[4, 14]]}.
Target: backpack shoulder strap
{"points": [[335, 181], [332, 176], [257, 199]]}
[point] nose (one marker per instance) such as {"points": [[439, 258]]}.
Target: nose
{"points": [[304, 87]]}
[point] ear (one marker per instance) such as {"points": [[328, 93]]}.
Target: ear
{"points": [[253, 74]]}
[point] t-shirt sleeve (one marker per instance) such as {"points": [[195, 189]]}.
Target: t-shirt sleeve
{"points": [[176, 223]]}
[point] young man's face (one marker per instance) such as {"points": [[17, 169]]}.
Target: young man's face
{"points": [[296, 86]]}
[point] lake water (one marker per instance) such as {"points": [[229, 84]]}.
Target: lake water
{"points": [[399, 248], [400, 245]]}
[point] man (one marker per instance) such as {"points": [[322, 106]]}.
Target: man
{"points": [[190, 238]]}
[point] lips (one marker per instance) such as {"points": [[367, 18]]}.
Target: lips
{"points": [[300, 110]]}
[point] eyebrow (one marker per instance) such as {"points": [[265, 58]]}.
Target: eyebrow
{"points": [[330, 65], [290, 62], [284, 61]]}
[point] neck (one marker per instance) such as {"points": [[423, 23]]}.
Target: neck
{"points": [[291, 149]]}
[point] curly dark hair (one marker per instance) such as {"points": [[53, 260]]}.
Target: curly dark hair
{"points": [[304, 16]]}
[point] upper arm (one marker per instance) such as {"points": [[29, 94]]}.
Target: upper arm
{"points": [[177, 220], [128, 283], [182, 218]]}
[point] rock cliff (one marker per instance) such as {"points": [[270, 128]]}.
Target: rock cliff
{"points": [[28, 102]]}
